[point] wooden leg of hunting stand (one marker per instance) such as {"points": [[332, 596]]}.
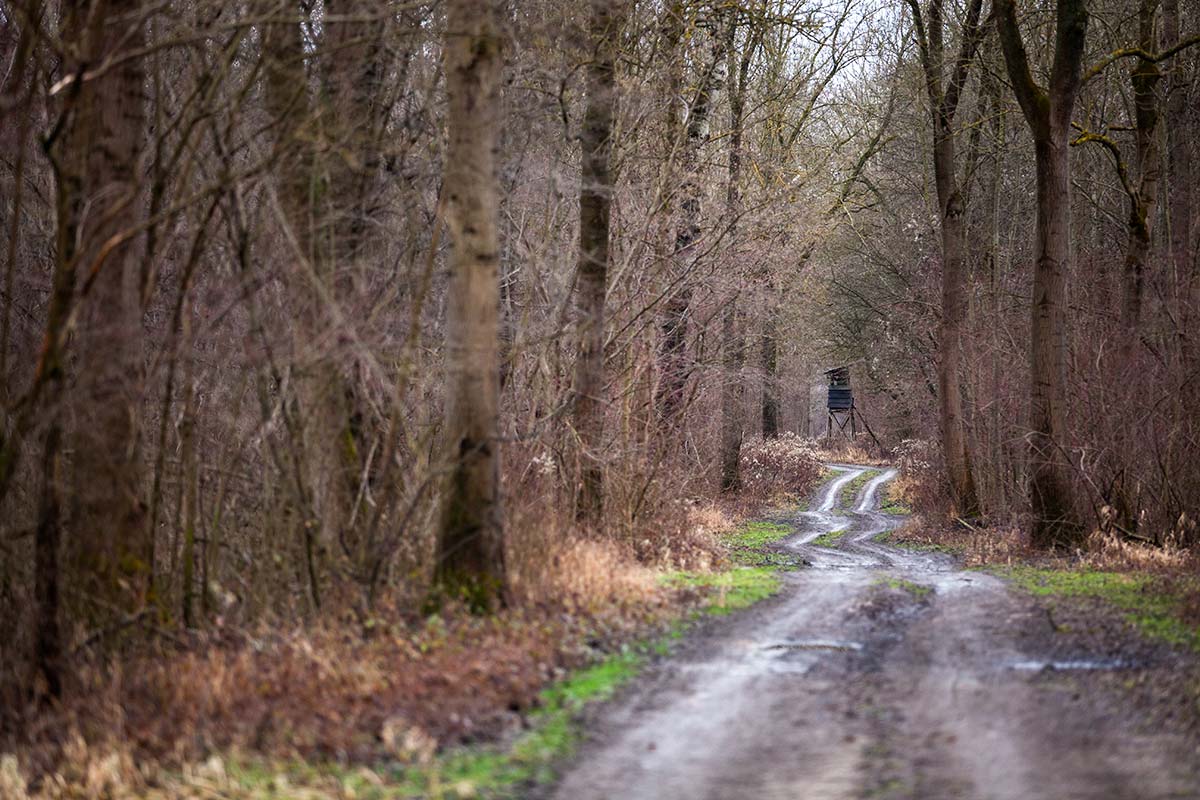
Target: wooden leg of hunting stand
{"points": [[868, 427]]}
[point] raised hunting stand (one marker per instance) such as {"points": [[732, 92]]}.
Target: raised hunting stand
{"points": [[840, 406]]}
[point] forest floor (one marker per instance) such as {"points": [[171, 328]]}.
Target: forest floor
{"points": [[883, 672], [841, 649]]}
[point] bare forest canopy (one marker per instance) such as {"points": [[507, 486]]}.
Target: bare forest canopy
{"points": [[327, 306]]}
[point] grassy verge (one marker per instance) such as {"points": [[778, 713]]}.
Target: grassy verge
{"points": [[491, 772], [1148, 603], [831, 538], [497, 771], [729, 591]]}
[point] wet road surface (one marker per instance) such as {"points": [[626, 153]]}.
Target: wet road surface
{"points": [[883, 673]]}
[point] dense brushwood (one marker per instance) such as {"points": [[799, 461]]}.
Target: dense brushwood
{"points": [[317, 317]]}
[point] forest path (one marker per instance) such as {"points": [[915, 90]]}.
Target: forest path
{"points": [[883, 673]]}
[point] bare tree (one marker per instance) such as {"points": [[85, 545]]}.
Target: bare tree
{"points": [[1048, 114], [470, 547], [595, 204], [110, 545], [733, 345], [674, 324], [944, 97], [1180, 172]]}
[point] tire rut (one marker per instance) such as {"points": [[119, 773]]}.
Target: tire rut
{"points": [[876, 673]]}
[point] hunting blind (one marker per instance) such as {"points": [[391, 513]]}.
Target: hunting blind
{"points": [[840, 408]]}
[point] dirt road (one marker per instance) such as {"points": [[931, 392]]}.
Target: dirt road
{"points": [[880, 673]]}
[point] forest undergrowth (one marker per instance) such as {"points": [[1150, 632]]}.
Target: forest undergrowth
{"points": [[401, 692]]}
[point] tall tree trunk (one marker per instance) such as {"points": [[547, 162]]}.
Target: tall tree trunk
{"points": [[733, 341], [733, 393], [190, 472], [955, 448], [470, 545], [316, 418], [595, 203], [943, 104], [111, 546], [1048, 113], [673, 347], [769, 351], [1143, 199], [1180, 150], [353, 69]]}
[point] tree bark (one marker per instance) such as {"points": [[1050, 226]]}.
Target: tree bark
{"points": [[470, 546], [770, 366], [353, 69], [1180, 176], [110, 547], [943, 104], [674, 367], [733, 341], [1143, 199], [1048, 113], [313, 441], [595, 204]]}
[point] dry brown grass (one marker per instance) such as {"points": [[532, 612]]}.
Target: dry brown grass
{"points": [[975, 546], [588, 574], [363, 689], [331, 693], [848, 452], [1112, 553]]}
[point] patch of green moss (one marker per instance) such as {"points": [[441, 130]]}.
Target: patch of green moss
{"points": [[758, 534], [831, 538], [729, 591], [919, 591], [749, 546], [1145, 601]]}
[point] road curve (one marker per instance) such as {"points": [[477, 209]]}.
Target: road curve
{"points": [[884, 674]]}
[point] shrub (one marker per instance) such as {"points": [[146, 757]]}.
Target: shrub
{"points": [[788, 464]]}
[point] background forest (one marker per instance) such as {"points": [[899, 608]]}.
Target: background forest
{"points": [[319, 315]]}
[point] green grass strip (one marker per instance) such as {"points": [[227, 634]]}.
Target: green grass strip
{"points": [[1145, 601], [831, 538], [852, 488], [730, 591], [917, 590]]}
